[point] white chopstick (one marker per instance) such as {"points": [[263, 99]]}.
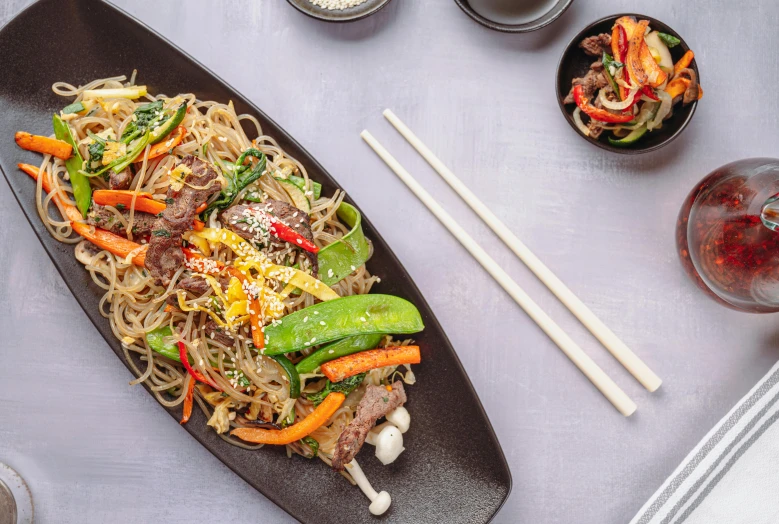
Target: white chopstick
{"points": [[610, 341], [586, 365]]}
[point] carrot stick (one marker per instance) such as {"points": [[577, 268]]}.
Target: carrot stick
{"points": [[188, 400], [258, 337], [71, 212], [350, 365], [684, 62], [202, 207], [112, 243], [305, 427], [43, 144], [677, 87], [174, 139], [103, 239], [106, 197], [114, 198]]}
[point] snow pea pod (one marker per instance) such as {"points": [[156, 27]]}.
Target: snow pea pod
{"points": [[82, 190], [340, 318], [342, 257], [337, 349]]}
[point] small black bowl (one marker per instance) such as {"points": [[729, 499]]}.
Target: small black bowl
{"points": [[543, 21], [575, 63], [344, 15]]}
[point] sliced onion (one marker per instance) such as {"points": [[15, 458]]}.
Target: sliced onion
{"points": [[577, 118], [666, 103], [643, 116], [617, 106]]}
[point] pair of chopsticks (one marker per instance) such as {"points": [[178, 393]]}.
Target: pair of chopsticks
{"points": [[586, 365]]}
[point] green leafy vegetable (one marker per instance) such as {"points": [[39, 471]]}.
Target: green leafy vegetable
{"points": [[607, 62], [669, 40], [312, 443], [73, 108], [96, 152], [346, 386], [238, 178], [161, 233], [143, 118]]}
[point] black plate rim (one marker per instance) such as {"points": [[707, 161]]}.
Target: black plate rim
{"points": [[534, 25], [334, 18], [424, 307], [572, 46]]}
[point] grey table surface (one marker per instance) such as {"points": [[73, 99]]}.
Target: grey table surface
{"points": [[94, 449]]}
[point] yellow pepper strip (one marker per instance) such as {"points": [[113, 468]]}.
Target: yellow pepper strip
{"points": [[184, 307], [256, 260], [297, 431]]}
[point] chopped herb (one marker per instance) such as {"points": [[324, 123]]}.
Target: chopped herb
{"points": [[161, 233], [385, 399], [120, 207], [669, 40], [169, 201]]}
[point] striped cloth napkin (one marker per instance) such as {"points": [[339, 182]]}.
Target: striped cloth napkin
{"points": [[732, 475]]}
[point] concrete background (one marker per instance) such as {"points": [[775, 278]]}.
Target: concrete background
{"points": [[96, 450]]}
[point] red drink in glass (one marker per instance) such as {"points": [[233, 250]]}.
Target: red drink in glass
{"points": [[726, 238]]}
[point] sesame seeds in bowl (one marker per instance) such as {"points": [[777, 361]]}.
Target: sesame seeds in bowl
{"points": [[338, 10]]}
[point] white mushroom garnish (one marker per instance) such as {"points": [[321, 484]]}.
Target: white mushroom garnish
{"points": [[389, 444], [380, 502], [401, 418]]}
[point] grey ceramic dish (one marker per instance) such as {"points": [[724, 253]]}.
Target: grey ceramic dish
{"points": [[543, 21], [342, 15], [453, 469]]}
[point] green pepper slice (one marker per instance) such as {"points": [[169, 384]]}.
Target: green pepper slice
{"points": [[292, 374], [338, 349], [169, 125], [339, 318], [156, 341], [82, 190], [342, 257]]}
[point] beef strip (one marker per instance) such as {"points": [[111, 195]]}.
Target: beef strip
{"points": [[197, 286], [165, 256], [591, 82], [121, 180], [376, 403], [596, 45], [235, 218], [104, 218], [214, 332]]}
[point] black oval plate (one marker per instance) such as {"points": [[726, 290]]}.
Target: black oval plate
{"points": [[453, 469], [575, 63]]}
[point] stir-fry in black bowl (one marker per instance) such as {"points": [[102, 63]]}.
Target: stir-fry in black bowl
{"points": [[575, 63]]}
